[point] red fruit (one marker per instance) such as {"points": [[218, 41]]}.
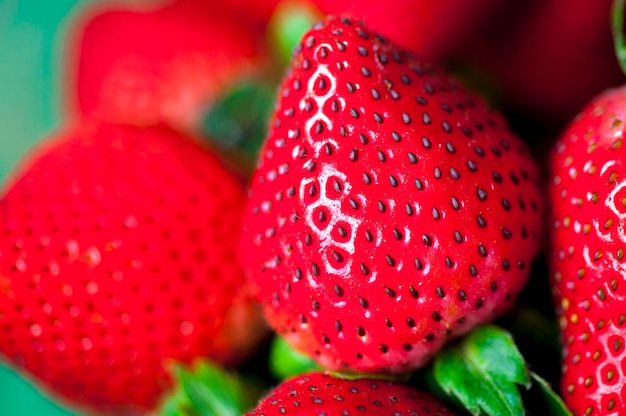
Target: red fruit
{"points": [[118, 254], [432, 29], [390, 211], [145, 66], [322, 394], [257, 12], [588, 195], [529, 55]]}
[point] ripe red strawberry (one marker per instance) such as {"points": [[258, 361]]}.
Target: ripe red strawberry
{"points": [[322, 394], [432, 29], [588, 195], [144, 66], [117, 253], [390, 211]]}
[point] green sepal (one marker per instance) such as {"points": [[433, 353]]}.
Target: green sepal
{"points": [[237, 122], [483, 372], [553, 403], [285, 362], [205, 389]]}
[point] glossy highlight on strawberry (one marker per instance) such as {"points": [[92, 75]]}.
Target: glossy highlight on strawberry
{"points": [[391, 210], [588, 197], [117, 254], [322, 394]]}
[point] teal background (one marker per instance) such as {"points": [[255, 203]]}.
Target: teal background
{"points": [[32, 39]]}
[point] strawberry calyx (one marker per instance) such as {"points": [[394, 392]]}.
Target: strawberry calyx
{"points": [[552, 402], [286, 362], [486, 373], [236, 123], [204, 388], [482, 372], [617, 27]]}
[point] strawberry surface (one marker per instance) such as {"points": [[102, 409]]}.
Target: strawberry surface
{"points": [[391, 210], [322, 394], [117, 254], [154, 64], [588, 196]]}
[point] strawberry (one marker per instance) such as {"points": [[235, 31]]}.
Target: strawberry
{"points": [[117, 254], [588, 198], [256, 12], [149, 65], [391, 210], [527, 54], [323, 394], [432, 29]]}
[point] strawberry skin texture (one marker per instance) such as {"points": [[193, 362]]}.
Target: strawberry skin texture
{"points": [[146, 66], [390, 210], [117, 254], [322, 394], [588, 197]]}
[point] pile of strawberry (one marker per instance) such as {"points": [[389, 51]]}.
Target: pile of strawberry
{"points": [[425, 213]]}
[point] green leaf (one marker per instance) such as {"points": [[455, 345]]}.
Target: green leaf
{"points": [[537, 337], [482, 372], [237, 121], [205, 389], [285, 362], [554, 405]]}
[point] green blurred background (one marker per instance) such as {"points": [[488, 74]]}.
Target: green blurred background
{"points": [[32, 34]]}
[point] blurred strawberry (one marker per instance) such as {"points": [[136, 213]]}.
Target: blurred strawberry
{"points": [[255, 12], [549, 57], [159, 63], [432, 29], [117, 254]]}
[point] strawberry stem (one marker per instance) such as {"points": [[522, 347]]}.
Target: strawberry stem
{"points": [[617, 26]]}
